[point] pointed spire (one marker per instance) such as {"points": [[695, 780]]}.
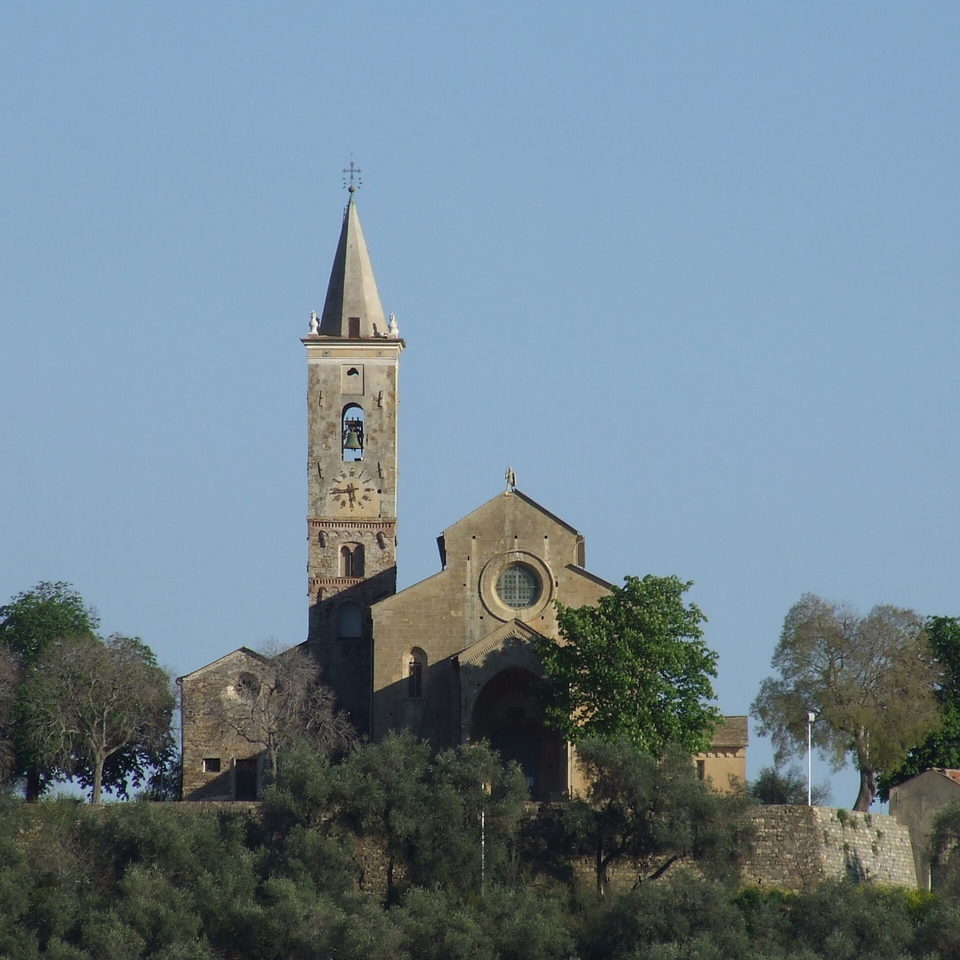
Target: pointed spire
{"points": [[352, 292]]}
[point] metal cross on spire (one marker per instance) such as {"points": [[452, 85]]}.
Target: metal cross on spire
{"points": [[353, 171]]}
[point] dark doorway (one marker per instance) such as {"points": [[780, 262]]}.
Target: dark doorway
{"points": [[246, 782], [509, 715]]}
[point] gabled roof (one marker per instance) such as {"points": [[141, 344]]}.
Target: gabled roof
{"points": [[544, 510], [352, 290], [947, 772], [730, 732], [499, 499], [581, 571], [244, 650], [478, 651]]}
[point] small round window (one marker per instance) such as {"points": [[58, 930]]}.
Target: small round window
{"points": [[518, 586], [247, 686]]}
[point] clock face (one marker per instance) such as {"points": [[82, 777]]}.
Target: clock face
{"points": [[353, 491]]}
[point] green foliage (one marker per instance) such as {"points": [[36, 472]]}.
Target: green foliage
{"points": [[846, 921], [423, 811], [635, 666], [9, 681], [34, 618], [436, 929], [84, 708], [648, 813], [93, 702], [167, 881], [300, 794], [941, 748], [870, 681], [945, 847], [684, 910], [528, 922], [773, 787], [29, 623]]}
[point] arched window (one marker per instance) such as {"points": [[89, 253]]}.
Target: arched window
{"points": [[351, 560], [349, 621], [416, 668], [351, 432]]}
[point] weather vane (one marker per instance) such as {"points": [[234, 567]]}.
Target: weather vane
{"points": [[353, 171]]}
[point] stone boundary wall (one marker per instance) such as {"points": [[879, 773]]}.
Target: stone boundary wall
{"points": [[797, 846]]}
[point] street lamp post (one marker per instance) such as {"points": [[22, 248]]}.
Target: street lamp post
{"points": [[811, 716]]}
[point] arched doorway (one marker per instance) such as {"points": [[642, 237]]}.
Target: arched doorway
{"points": [[509, 715]]}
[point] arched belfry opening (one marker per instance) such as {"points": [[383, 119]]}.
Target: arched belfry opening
{"points": [[508, 714], [351, 432]]}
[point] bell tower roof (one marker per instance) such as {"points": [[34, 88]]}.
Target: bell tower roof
{"points": [[352, 309]]}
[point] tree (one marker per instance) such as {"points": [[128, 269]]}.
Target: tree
{"points": [[292, 704], [774, 787], [945, 848], [9, 679], [29, 623], [33, 618], [635, 666], [93, 700], [652, 811], [941, 747], [870, 681]]}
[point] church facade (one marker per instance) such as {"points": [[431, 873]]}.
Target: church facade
{"points": [[450, 658]]}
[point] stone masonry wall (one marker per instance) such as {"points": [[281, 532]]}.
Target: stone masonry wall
{"points": [[797, 846], [211, 700]]}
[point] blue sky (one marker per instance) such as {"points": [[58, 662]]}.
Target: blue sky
{"points": [[690, 268]]}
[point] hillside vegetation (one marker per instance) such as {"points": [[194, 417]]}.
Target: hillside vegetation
{"points": [[398, 854]]}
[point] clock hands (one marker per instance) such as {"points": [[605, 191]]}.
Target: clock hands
{"points": [[349, 491], [354, 491]]}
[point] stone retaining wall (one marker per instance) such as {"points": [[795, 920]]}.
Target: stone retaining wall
{"points": [[799, 846]]}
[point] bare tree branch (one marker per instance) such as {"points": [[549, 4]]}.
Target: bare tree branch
{"points": [[290, 704]]}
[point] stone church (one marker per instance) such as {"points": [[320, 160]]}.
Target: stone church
{"points": [[449, 658]]}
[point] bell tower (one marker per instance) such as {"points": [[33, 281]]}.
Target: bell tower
{"points": [[353, 358]]}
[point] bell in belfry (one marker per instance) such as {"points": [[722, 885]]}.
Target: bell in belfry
{"points": [[353, 441]]}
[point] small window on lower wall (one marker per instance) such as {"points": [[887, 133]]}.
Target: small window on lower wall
{"points": [[211, 764]]}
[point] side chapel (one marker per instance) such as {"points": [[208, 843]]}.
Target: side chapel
{"points": [[450, 658]]}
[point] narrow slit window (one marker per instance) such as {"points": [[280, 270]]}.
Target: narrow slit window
{"points": [[416, 667]]}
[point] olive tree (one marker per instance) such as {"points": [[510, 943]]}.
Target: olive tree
{"points": [[870, 681], [644, 813]]}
